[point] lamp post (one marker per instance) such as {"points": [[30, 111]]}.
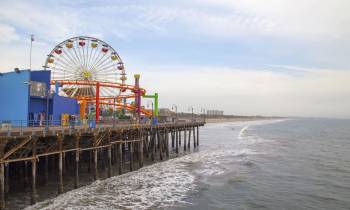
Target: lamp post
{"points": [[152, 111], [113, 112], [172, 108], [191, 108], [203, 111], [47, 108], [30, 51], [29, 83]]}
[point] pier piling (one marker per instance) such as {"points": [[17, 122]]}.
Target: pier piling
{"points": [[77, 158], [63, 152], [34, 193], [2, 186]]}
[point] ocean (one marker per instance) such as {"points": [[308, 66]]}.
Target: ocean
{"points": [[272, 164]]}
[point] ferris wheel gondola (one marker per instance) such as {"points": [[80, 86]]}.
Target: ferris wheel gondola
{"points": [[86, 59]]}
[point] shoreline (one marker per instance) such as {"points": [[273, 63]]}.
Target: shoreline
{"points": [[239, 119]]}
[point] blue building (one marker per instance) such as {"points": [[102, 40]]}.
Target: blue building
{"points": [[25, 99]]}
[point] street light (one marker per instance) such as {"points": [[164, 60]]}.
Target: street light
{"points": [[47, 108], [113, 112], [203, 111], [172, 108], [152, 110], [191, 108]]}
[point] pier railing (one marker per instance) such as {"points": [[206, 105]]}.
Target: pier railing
{"points": [[19, 127]]}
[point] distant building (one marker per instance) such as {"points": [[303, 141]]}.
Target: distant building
{"points": [[166, 115], [215, 113], [165, 112]]}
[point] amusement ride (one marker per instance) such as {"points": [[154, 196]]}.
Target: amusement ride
{"points": [[91, 71]]}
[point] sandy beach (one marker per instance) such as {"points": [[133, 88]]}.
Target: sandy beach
{"points": [[237, 119]]}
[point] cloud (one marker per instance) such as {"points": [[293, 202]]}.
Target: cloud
{"points": [[240, 91], [8, 33], [311, 19], [284, 38], [52, 24]]}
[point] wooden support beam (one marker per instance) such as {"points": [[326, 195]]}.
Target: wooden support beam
{"points": [[131, 149], [95, 158], [120, 155], [166, 134], [189, 139], [46, 168], [185, 145], [146, 144], [90, 160], [179, 131], [141, 152], [60, 163], [152, 142], [2, 186], [197, 135], [160, 142], [115, 146], [95, 152], [177, 142], [15, 148], [109, 155], [25, 174], [34, 193], [63, 162], [7, 178], [172, 139], [77, 159], [194, 137]]}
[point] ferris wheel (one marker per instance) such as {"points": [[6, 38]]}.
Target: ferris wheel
{"points": [[85, 59]]}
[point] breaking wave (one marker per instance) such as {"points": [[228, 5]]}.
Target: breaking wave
{"points": [[159, 185]]}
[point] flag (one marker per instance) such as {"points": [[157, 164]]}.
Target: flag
{"points": [[32, 38]]}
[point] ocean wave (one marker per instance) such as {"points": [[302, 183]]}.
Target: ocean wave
{"points": [[159, 185], [156, 186], [243, 130]]}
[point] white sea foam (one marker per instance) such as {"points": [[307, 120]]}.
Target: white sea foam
{"points": [[159, 185], [156, 186], [241, 133]]}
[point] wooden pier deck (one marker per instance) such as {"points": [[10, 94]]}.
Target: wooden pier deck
{"points": [[26, 153]]}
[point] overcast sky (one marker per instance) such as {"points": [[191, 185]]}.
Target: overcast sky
{"points": [[246, 57]]}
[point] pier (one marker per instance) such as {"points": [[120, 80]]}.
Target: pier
{"points": [[78, 116], [28, 153]]}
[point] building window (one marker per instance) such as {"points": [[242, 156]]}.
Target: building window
{"points": [[37, 89]]}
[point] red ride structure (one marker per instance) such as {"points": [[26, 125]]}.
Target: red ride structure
{"points": [[91, 71]]}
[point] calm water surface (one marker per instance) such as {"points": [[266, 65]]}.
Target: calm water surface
{"points": [[280, 164]]}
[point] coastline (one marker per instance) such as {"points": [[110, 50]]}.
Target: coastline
{"points": [[238, 119]]}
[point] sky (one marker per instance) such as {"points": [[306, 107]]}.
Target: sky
{"points": [[246, 57]]}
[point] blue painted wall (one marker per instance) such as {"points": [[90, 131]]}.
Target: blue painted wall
{"points": [[16, 104], [41, 76], [64, 105], [14, 96], [38, 104]]}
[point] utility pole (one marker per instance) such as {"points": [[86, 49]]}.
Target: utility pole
{"points": [[30, 51]]}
